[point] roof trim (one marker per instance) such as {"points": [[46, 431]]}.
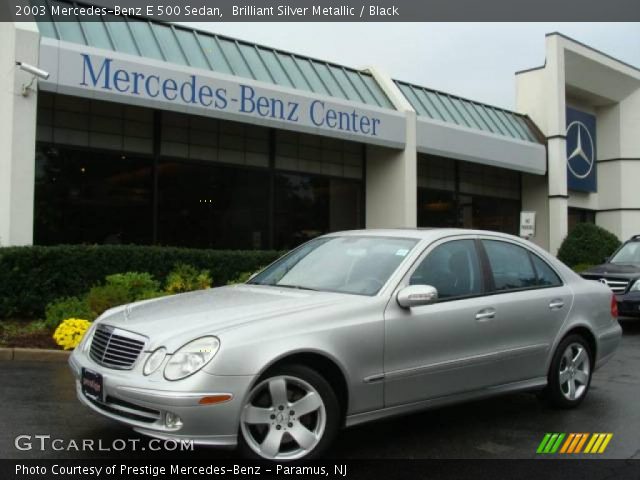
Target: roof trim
{"points": [[595, 50]]}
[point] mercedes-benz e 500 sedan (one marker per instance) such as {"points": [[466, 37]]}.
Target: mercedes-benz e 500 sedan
{"points": [[348, 328]]}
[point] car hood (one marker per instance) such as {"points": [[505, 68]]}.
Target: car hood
{"points": [[615, 269], [169, 320]]}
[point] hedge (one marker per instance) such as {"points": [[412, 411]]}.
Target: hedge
{"points": [[31, 277], [587, 244]]}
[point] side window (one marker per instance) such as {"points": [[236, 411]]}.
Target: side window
{"points": [[546, 276], [452, 268], [511, 266]]}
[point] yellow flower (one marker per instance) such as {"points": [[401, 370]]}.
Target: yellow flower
{"points": [[70, 332]]}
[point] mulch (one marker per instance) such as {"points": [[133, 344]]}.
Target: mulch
{"points": [[31, 340]]}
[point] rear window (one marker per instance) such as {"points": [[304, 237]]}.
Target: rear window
{"points": [[546, 276], [510, 264], [514, 267]]}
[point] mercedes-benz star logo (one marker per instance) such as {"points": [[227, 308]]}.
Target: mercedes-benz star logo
{"points": [[580, 161], [604, 281]]}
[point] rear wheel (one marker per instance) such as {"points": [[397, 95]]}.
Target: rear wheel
{"points": [[570, 372], [290, 414]]}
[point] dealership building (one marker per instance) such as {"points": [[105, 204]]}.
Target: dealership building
{"points": [[154, 133]]}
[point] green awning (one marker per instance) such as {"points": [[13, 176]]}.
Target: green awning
{"points": [[467, 113], [195, 48]]}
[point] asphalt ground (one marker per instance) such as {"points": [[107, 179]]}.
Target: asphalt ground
{"points": [[38, 398]]}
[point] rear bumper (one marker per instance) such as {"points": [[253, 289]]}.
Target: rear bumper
{"points": [[608, 341]]}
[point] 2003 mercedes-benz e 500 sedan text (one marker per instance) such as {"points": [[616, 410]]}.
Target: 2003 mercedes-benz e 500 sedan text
{"points": [[347, 328]]}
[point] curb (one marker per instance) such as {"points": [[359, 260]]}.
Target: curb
{"points": [[34, 354]]}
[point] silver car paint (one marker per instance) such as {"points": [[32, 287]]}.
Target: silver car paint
{"points": [[394, 360]]}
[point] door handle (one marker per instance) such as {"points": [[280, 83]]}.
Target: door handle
{"points": [[556, 304], [485, 314]]}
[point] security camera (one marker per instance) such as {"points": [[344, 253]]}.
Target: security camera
{"points": [[38, 72]]}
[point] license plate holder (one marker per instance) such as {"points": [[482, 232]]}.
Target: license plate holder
{"points": [[92, 384]]}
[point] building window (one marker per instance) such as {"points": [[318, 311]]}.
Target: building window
{"points": [[437, 208], [212, 206], [299, 152], [307, 206], [92, 197], [453, 193], [580, 215], [102, 169]]}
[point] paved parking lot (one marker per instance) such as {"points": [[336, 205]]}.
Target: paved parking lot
{"points": [[39, 399]]}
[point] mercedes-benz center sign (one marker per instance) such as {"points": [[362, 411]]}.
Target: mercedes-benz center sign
{"points": [[93, 73], [581, 151]]}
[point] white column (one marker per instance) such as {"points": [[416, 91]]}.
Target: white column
{"points": [[557, 144], [18, 42], [391, 180]]}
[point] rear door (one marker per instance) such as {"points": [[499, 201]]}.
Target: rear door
{"points": [[531, 303]]}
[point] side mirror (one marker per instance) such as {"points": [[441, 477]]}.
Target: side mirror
{"points": [[605, 259], [416, 295]]}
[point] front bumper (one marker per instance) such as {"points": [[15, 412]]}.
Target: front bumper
{"points": [[629, 304], [143, 402]]}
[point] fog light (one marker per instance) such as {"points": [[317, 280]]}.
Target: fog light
{"points": [[171, 420]]}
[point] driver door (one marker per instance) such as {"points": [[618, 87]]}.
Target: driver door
{"points": [[442, 348]]}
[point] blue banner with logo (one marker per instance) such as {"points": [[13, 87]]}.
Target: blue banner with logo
{"points": [[581, 151]]}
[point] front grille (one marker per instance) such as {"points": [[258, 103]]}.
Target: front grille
{"points": [[115, 348], [617, 285]]}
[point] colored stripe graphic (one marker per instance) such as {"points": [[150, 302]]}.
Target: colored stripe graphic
{"points": [[604, 445], [581, 443], [598, 443], [594, 437], [567, 442], [543, 443], [556, 445], [550, 443], [572, 443]]}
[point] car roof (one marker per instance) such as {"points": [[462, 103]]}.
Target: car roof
{"points": [[418, 233]]}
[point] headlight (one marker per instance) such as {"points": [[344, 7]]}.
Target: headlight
{"points": [[154, 361], [191, 357], [635, 287]]}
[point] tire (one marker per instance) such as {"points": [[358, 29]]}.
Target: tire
{"points": [[570, 373], [269, 432]]}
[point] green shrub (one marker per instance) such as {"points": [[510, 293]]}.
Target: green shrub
{"points": [[581, 267], [587, 243], [121, 288], [32, 277], [243, 277], [134, 283], [68, 307], [186, 278]]}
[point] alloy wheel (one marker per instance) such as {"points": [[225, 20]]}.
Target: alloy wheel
{"points": [[284, 418], [574, 371]]}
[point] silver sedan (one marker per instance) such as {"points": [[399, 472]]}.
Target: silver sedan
{"points": [[348, 328]]}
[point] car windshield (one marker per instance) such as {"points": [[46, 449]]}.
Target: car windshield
{"points": [[351, 264], [629, 253]]}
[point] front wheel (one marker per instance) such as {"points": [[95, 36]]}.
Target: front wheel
{"points": [[570, 373], [291, 413]]}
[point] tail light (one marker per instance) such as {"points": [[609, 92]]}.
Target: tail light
{"points": [[614, 307]]}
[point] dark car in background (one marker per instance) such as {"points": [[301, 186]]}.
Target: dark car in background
{"points": [[621, 273]]}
